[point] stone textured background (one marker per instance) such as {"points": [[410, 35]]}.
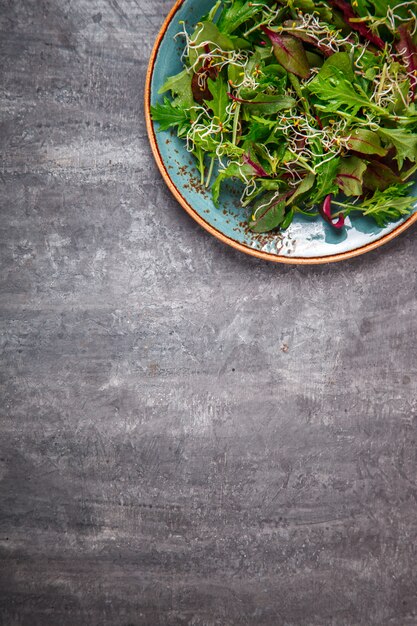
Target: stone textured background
{"points": [[188, 436]]}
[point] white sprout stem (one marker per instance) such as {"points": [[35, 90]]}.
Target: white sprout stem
{"points": [[210, 172], [236, 123], [299, 159]]}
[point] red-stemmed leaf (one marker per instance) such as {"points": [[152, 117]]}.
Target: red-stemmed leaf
{"points": [[266, 104], [408, 51], [290, 52], [350, 176], [365, 142], [293, 28], [257, 168], [349, 16], [269, 213], [379, 176]]}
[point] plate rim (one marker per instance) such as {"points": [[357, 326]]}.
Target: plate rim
{"points": [[266, 256]]}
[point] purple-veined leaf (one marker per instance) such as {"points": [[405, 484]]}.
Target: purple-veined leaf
{"points": [[169, 116], [289, 52], [350, 176], [180, 86], [269, 213], [405, 143], [266, 104], [325, 182], [233, 170], [365, 142], [293, 28], [257, 168]]}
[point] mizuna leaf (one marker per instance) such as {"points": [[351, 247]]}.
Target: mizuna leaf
{"points": [[326, 180], [289, 52], [336, 92], [389, 205], [169, 116], [220, 99], [404, 142], [233, 170]]}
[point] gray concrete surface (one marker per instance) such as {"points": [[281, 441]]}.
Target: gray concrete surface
{"points": [[188, 436]]}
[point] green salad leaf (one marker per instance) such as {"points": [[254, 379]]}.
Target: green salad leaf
{"points": [[301, 105], [169, 116], [405, 143], [350, 176], [179, 86], [269, 213], [386, 206], [239, 12]]}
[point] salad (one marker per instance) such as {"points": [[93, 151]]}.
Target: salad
{"points": [[310, 105]]}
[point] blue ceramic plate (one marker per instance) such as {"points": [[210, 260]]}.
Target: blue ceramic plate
{"points": [[306, 241]]}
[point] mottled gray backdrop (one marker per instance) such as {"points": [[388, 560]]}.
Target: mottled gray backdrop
{"points": [[188, 436]]}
